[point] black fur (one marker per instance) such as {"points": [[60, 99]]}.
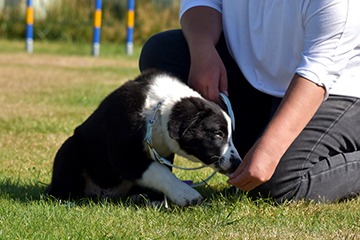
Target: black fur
{"points": [[108, 147], [202, 139], [110, 134]]}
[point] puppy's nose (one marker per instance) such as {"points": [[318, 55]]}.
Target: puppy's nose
{"points": [[234, 164]]}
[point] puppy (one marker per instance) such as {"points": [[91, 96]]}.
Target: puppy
{"points": [[107, 156]]}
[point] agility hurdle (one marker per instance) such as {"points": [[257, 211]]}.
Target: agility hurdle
{"points": [[97, 27], [29, 38], [129, 30], [130, 27]]}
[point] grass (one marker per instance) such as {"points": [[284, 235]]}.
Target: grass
{"points": [[68, 48], [45, 95]]}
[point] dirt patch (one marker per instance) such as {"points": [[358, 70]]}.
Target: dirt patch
{"points": [[28, 78], [21, 71], [64, 61]]}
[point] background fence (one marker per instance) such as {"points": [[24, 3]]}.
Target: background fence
{"points": [[69, 20]]}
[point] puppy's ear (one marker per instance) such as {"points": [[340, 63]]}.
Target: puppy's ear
{"points": [[178, 128], [223, 106], [184, 115]]}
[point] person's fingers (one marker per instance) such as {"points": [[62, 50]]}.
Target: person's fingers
{"points": [[223, 82], [248, 186], [243, 182], [212, 93], [239, 170]]}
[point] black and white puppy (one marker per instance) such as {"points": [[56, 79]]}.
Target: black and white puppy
{"points": [[107, 156]]}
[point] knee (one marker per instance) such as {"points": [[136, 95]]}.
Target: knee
{"points": [[148, 53], [280, 188], [157, 49]]}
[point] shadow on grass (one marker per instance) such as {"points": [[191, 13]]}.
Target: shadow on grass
{"points": [[25, 191], [21, 190]]}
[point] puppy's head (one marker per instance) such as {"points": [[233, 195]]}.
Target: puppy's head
{"points": [[203, 132]]}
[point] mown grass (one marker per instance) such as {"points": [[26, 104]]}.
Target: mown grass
{"points": [[43, 96], [67, 48]]}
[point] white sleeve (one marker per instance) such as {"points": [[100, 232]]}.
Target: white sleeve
{"points": [[332, 32], [187, 4]]}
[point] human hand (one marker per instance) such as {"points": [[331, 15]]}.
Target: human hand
{"points": [[298, 106], [257, 167], [207, 73]]}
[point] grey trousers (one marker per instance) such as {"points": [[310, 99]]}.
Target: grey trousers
{"points": [[322, 164]]}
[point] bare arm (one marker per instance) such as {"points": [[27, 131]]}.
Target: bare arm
{"points": [[202, 27], [299, 105]]}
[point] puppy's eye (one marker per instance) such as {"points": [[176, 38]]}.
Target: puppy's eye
{"points": [[219, 134]]}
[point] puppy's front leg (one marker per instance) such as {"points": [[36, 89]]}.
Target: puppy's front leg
{"points": [[160, 178]]}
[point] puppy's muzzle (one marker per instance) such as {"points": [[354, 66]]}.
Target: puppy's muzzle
{"points": [[231, 159], [228, 165]]}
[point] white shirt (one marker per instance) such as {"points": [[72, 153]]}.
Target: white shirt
{"points": [[271, 40]]}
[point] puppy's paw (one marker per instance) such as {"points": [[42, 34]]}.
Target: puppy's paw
{"points": [[184, 195]]}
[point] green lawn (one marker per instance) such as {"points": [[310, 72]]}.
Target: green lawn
{"points": [[44, 95]]}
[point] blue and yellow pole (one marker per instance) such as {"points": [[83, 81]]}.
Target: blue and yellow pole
{"points": [[29, 26], [130, 27], [97, 27]]}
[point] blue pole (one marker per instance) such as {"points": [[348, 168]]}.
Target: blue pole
{"points": [[29, 26], [97, 27], [130, 27]]}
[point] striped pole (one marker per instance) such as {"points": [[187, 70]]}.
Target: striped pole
{"points": [[29, 26], [130, 27], [97, 27]]}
